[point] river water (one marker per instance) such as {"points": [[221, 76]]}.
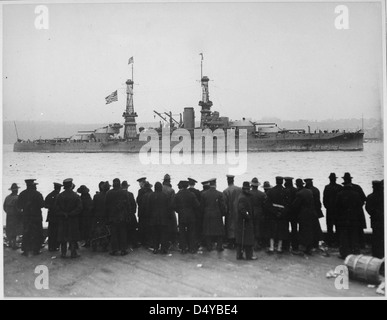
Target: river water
{"points": [[90, 169]]}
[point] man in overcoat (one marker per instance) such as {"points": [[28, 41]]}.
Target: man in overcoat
{"points": [[213, 207], [13, 219], [231, 195], [68, 209], [30, 203], [186, 204], [52, 219], [329, 200], [244, 231]]}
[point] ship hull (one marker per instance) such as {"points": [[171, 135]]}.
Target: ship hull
{"points": [[273, 143]]}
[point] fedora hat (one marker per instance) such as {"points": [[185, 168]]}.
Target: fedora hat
{"points": [[246, 185], [332, 176], [266, 185], [347, 176], [14, 186], [255, 182]]}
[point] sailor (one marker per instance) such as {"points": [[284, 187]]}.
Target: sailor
{"points": [[349, 219], [244, 230], [306, 217], [117, 213], [206, 186], [198, 212], [290, 196], [278, 223], [31, 202], [375, 208], [170, 192], [159, 219], [14, 221], [132, 223], [258, 202], [348, 180], [52, 218], [99, 232], [85, 216], [329, 199], [214, 209], [231, 195], [68, 210], [186, 204]]}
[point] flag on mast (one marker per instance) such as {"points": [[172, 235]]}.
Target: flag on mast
{"points": [[112, 97], [131, 60]]}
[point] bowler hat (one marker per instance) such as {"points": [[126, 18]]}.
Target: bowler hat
{"points": [[255, 182], [14, 186], [141, 179], [125, 184]]}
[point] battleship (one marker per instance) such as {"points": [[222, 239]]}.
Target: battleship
{"points": [[261, 137]]}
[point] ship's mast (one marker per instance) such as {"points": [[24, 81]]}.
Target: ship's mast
{"points": [[205, 103], [129, 114]]}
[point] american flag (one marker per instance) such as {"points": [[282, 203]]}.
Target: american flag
{"points": [[112, 97], [131, 60]]}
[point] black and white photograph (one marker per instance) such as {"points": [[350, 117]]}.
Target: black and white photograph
{"points": [[193, 150]]}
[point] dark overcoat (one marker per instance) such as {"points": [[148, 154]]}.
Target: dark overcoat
{"points": [[160, 210], [68, 209], [309, 226], [244, 231], [85, 219], [14, 218], [31, 202], [117, 205], [329, 200], [290, 195], [258, 201], [185, 203], [213, 208], [277, 220], [349, 208], [231, 195], [316, 200], [49, 203]]}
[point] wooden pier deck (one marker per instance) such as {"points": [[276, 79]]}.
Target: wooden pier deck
{"points": [[206, 275]]}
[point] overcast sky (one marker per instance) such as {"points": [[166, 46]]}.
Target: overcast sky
{"points": [[284, 60]]}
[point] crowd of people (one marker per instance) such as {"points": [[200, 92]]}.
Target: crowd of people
{"points": [[244, 219]]}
